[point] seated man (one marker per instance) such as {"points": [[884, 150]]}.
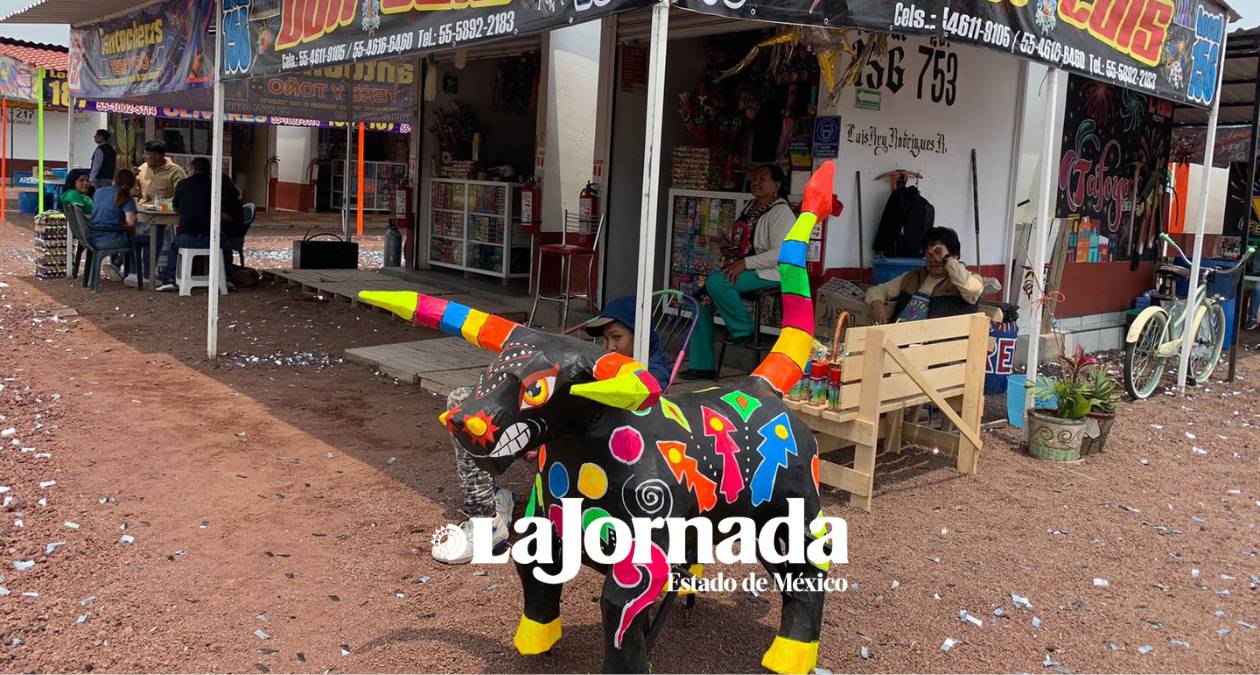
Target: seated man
{"points": [[158, 176], [944, 287], [482, 499], [192, 201]]}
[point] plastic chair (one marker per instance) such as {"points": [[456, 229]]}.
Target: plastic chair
{"points": [[95, 255], [757, 298], [249, 210], [673, 318], [575, 231], [78, 231]]}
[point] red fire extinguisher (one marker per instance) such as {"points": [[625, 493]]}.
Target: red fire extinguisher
{"points": [[588, 214], [531, 208]]}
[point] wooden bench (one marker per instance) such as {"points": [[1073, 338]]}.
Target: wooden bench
{"points": [[890, 369]]}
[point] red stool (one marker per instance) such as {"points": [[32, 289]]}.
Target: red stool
{"points": [[584, 245]]}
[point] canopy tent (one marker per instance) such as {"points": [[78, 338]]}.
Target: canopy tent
{"points": [[1171, 49], [1239, 105]]}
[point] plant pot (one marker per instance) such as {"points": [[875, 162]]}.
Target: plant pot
{"points": [[1093, 444], [1055, 438]]}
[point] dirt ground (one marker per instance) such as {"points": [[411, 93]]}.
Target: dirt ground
{"points": [[271, 511]]}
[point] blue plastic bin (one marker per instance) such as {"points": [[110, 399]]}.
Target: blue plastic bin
{"points": [[1221, 287], [891, 268], [1015, 400], [28, 203]]}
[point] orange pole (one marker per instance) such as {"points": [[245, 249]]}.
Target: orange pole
{"points": [[4, 159], [359, 217]]}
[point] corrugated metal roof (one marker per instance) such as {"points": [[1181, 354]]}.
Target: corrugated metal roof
{"points": [[38, 54], [73, 12]]}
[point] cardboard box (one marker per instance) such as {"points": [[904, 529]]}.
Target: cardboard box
{"points": [[837, 296]]}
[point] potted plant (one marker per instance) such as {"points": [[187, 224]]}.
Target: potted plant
{"points": [[1104, 393], [1056, 433]]}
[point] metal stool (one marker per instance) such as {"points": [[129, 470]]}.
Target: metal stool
{"points": [[566, 251], [757, 299]]}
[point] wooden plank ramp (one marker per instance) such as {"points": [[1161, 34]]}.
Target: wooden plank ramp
{"points": [[438, 365], [346, 284]]}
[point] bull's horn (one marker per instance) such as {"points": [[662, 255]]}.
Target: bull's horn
{"points": [[785, 363], [478, 328], [620, 382]]}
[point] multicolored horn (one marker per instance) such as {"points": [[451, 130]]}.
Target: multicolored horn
{"points": [[478, 328], [620, 382], [785, 363]]}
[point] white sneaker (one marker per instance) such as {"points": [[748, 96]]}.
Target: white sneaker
{"points": [[111, 272], [167, 286], [453, 544], [504, 502]]}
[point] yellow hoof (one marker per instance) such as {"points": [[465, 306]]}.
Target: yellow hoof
{"points": [[537, 638], [791, 656]]}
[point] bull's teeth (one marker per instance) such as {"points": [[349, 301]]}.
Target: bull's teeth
{"points": [[513, 439]]}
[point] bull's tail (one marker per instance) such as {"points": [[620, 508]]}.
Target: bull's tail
{"points": [[785, 363]]}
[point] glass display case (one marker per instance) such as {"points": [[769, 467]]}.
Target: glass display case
{"points": [[475, 226]]}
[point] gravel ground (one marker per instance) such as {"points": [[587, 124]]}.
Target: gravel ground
{"points": [[271, 512]]}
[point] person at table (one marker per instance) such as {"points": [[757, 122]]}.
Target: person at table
{"points": [[1253, 308], [114, 219], [192, 202], [77, 190], [752, 265], [158, 176], [104, 160], [942, 287], [233, 235]]}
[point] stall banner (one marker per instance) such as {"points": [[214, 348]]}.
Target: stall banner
{"points": [[263, 37], [374, 91], [1110, 135], [1169, 48], [167, 112], [1232, 145], [17, 80], [161, 48]]}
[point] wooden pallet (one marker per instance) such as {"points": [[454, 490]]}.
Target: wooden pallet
{"points": [[439, 365]]}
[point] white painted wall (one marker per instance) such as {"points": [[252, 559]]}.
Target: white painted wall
{"points": [[1216, 199], [573, 73], [24, 135], [295, 146], [982, 117]]}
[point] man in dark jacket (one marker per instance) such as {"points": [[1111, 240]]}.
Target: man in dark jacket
{"points": [[192, 202], [104, 160]]}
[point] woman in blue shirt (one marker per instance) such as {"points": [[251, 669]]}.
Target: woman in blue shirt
{"points": [[114, 219]]}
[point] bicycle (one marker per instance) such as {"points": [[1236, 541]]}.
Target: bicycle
{"points": [[1156, 333]]}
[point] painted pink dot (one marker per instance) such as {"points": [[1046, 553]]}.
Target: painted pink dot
{"points": [[556, 515], [626, 444]]}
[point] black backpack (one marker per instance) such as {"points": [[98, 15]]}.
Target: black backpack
{"points": [[907, 217]]}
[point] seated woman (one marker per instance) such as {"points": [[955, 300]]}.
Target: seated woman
{"points": [[114, 219], [753, 266], [77, 189], [944, 287]]}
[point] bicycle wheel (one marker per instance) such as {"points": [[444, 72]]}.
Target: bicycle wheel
{"points": [[1208, 340], [1142, 365]]}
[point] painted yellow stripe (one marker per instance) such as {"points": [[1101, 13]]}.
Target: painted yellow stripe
{"points": [[795, 344], [472, 326]]}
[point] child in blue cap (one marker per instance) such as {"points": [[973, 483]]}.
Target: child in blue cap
{"points": [[616, 326]]}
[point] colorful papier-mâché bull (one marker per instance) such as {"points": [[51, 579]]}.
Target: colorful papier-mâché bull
{"points": [[605, 434]]}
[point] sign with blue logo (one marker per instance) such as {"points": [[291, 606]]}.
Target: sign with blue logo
{"points": [[826, 137]]}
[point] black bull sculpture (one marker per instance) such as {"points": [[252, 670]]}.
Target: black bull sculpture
{"points": [[603, 433]]}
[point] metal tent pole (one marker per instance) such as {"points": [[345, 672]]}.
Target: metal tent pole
{"points": [[216, 191], [1209, 150], [651, 178], [69, 168], [1045, 211], [39, 102], [1240, 309]]}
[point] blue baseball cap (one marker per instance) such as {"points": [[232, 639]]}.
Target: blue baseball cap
{"points": [[621, 309]]}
